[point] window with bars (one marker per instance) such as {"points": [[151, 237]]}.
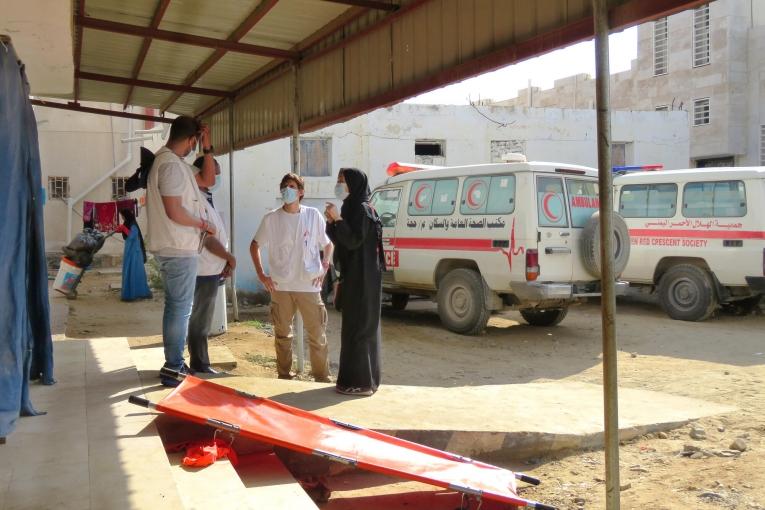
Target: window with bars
{"points": [[315, 157], [701, 111], [118, 187], [58, 187], [660, 47], [762, 145], [701, 36]]}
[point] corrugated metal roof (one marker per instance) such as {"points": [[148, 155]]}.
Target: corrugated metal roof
{"points": [[350, 59]]}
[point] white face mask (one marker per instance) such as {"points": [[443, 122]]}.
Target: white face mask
{"points": [[215, 186], [289, 195], [341, 190]]}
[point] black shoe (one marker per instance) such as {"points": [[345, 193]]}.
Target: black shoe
{"points": [[286, 377], [207, 370], [169, 382]]}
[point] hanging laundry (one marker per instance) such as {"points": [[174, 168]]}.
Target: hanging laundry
{"points": [[106, 216], [131, 204], [87, 214]]}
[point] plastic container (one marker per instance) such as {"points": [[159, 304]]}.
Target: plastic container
{"points": [[68, 277], [219, 323]]}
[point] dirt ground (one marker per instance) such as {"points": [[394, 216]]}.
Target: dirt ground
{"points": [[721, 360]]}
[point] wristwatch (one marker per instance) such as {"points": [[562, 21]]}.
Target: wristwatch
{"points": [[208, 151]]}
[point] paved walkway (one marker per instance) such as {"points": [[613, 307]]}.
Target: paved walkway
{"points": [[94, 450]]}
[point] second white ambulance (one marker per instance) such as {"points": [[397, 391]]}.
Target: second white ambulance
{"points": [[698, 237]]}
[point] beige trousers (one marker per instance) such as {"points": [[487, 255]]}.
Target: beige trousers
{"points": [[284, 304]]}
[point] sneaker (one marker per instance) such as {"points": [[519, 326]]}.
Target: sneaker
{"points": [[286, 377], [324, 379], [169, 382], [359, 392]]}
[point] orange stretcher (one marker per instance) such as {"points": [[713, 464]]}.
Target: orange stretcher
{"points": [[265, 420]]}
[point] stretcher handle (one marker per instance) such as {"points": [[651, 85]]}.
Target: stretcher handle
{"points": [[527, 479], [139, 401], [169, 372], [542, 506]]}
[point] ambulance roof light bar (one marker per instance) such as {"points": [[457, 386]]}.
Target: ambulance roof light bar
{"points": [[398, 168], [636, 168]]}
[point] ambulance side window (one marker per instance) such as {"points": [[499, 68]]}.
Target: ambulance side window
{"points": [[648, 200], [493, 194], [725, 199], [551, 205], [385, 203], [432, 197]]}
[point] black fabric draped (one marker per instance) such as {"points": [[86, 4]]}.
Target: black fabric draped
{"points": [[356, 248]]}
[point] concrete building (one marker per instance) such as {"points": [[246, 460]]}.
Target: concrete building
{"points": [[78, 149], [444, 135], [709, 62]]}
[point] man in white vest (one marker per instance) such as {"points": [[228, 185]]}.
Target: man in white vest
{"points": [[177, 223], [215, 265], [295, 237]]}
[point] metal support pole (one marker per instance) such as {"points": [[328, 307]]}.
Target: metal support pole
{"points": [[234, 301], [299, 345], [608, 297]]}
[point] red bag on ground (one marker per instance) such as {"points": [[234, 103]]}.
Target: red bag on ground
{"points": [[203, 453]]}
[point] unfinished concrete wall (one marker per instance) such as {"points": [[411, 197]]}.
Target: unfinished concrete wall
{"points": [[373, 141], [731, 81]]}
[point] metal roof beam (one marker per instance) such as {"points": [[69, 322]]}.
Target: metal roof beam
{"points": [[156, 19], [84, 75], [181, 38], [74, 107], [79, 15], [369, 4], [243, 29]]}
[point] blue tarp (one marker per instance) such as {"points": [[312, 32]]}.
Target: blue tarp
{"points": [[26, 350]]}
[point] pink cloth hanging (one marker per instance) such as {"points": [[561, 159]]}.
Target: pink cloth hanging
{"points": [[106, 216]]}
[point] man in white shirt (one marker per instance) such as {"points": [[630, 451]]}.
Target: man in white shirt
{"points": [[177, 219], [214, 266], [295, 235]]}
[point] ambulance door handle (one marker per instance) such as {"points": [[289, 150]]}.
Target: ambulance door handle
{"points": [[551, 250], [565, 234]]}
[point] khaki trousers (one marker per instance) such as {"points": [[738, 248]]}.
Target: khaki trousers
{"points": [[284, 304]]}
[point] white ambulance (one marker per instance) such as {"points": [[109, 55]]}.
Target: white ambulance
{"points": [[698, 237], [480, 238]]}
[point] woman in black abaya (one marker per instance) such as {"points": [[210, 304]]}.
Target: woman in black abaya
{"points": [[356, 232]]}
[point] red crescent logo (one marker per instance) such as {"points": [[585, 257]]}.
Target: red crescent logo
{"points": [[471, 203], [417, 203], [546, 208]]}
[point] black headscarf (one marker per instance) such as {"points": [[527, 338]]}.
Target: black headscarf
{"points": [[358, 185], [129, 221]]}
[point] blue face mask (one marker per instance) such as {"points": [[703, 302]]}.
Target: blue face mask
{"points": [[341, 190], [215, 186], [289, 195]]}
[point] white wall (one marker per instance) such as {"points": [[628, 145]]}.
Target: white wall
{"points": [[375, 140], [83, 147]]}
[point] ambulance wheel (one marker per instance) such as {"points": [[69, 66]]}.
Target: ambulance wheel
{"points": [[461, 303], [548, 317], [399, 301], [686, 293]]}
